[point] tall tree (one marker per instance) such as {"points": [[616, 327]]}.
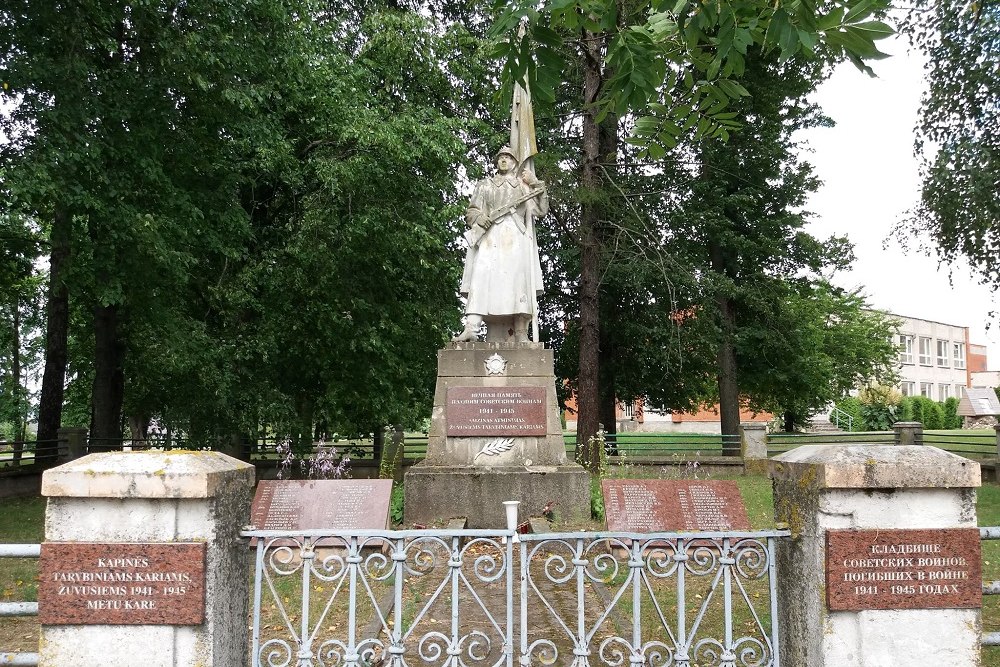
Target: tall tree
{"points": [[675, 66], [20, 296], [814, 343], [263, 236], [957, 141]]}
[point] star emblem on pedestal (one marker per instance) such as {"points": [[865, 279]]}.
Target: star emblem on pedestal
{"points": [[496, 365]]}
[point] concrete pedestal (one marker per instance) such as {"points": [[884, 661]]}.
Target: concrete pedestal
{"points": [[823, 488], [434, 493], [155, 497], [460, 477]]}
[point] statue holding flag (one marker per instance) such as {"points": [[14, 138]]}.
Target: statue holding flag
{"points": [[503, 274]]}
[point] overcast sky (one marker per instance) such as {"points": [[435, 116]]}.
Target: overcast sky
{"points": [[870, 179]]}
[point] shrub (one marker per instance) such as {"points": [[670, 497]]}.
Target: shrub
{"points": [[879, 406], [951, 417], [905, 413], [927, 412], [933, 415], [396, 504]]}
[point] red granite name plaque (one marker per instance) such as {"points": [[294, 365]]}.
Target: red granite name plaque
{"points": [[121, 584], [471, 411], [903, 569], [657, 505], [346, 504]]}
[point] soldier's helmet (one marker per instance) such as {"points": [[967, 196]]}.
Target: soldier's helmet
{"points": [[506, 150]]}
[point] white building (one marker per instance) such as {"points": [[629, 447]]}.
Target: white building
{"points": [[985, 379], [932, 358]]}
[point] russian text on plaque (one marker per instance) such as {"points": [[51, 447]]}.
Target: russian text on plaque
{"points": [[903, 569]]}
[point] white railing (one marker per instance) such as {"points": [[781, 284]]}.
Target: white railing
{"points": [[19, 608], [488, 597]]}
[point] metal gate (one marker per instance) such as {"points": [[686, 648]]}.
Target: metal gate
{"points": [[489, 597]]}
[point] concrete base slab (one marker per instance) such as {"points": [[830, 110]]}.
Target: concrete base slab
{"points": [[435, 493]]}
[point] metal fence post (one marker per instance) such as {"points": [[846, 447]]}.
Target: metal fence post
{"points": [[72, 442], [909, 433]]}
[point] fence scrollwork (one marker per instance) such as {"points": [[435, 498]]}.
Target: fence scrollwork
{"points": [[489, 598]]}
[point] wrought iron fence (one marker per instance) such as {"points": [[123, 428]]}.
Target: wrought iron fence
{"points": [[488, 597], [8, 609], [30, 453]]}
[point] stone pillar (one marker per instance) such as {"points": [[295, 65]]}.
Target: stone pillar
{"points": [[877, 511], [753, 441], [909, 433], [107, 511], [392, 455], [74, 440], [495, 435]]}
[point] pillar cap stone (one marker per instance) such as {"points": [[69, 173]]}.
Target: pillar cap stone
{"points": [[148, 474], [875, 467]]}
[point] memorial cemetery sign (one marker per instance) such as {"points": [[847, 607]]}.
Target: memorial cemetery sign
{"points": [[349, 504], [121, 584], [903, 569], [644, 506], [472, 411]]}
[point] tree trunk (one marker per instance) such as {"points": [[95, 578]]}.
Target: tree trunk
{"points": [[56, 327], [588, 377], [138, 426], [608, 396], [729, 391], [789, 419], [109, 379], [15, 384], [607, 137]]}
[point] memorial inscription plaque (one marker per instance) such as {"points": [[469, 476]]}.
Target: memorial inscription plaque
{"points": [[903, 569], [121, 584], [348, 504], [644, 506], [471, 411]]}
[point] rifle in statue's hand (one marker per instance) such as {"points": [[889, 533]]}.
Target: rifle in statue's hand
{"points": [[475, 234]]}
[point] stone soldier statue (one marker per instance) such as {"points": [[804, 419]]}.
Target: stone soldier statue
{"points": [[503, 274]]}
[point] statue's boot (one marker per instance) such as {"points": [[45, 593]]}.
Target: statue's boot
{"points": [[521, 329], [470, 334]]}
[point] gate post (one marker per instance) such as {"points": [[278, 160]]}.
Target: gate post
{"points": [[753, 440], [143, 561], [908, 433], [884, 564]]}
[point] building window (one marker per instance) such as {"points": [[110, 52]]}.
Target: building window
{"points": [[905, 349], [942, 353], [958, 391], [906, 388], [925, 351], [926, 389], [944, 392], [959, 355]]}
